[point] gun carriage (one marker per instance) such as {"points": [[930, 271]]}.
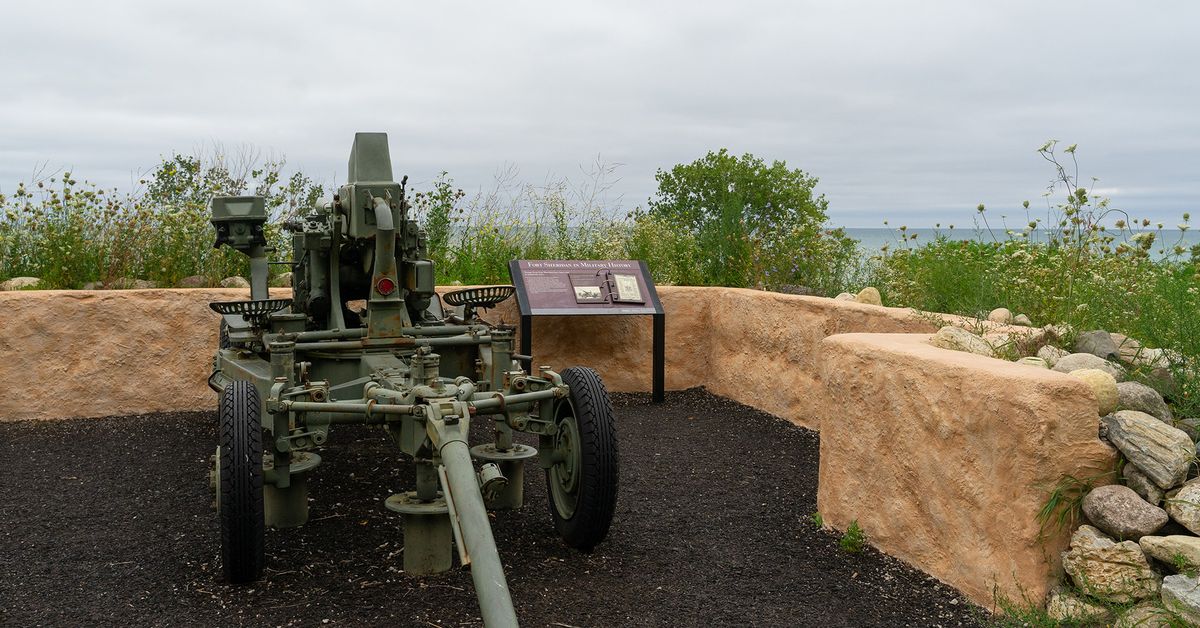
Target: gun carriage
{"points": [[288, 370]]}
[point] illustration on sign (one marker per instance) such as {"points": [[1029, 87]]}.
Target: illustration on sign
{"points": [[627, 289], [588, 288]]}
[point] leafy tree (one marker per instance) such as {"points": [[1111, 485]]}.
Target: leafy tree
{"points": [[756, 224]]}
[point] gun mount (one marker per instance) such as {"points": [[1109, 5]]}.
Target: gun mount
{"points": [[288, 370]]}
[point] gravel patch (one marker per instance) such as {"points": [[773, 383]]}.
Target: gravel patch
{"points": [[109, 521]]}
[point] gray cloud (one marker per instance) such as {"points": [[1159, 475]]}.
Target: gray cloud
{"points": [[913, 112]]}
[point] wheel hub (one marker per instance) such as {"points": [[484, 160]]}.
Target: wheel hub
{"points": [[566, 471]]}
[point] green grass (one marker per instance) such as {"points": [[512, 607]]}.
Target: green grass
{"points": [[1084, 264]]}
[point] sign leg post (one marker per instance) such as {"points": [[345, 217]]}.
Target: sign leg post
{"points": [[660, 357], [527, 336]]}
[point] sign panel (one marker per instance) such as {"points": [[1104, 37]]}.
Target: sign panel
{"points": [[582, 287]]}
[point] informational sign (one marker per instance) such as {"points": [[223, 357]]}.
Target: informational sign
{"points": [[581, 287], [590, 287]]}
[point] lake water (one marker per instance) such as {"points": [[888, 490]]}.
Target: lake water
{"points": [[872, 239]]}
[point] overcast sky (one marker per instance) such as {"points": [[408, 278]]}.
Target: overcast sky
{"points": [[913, 112]]}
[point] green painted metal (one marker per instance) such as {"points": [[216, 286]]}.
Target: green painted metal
{"points": [[403, 364]]}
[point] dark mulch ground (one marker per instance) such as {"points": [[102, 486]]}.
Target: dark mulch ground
{"points": [[108, 521]]}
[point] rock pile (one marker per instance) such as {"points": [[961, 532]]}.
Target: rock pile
{"points": [[1142, 540], [869, 295], [1140, 544]]}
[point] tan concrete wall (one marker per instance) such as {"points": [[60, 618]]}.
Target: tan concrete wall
{"points": [[945, 458], [131, 351], [82, 353], [765, 346]]}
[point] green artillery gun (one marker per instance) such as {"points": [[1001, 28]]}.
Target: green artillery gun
{"points": [[287, 370]]}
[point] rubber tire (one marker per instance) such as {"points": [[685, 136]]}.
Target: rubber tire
{"points": [[597, 484], [223, 335], [241, 476]]}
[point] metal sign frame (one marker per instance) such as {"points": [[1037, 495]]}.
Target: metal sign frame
{"points": [[652, 307]]}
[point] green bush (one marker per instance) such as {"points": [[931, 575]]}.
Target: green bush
{"points": [[750, 224], [69, 233]]}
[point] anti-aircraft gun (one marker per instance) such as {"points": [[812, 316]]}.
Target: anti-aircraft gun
{"points": [[288, 370]]}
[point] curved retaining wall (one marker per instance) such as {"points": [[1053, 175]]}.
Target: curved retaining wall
{"points": [[945, 458], [942, 457]]}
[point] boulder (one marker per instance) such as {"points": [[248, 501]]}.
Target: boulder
{"points": [[1051, 354], [1103, 385], [1111, 572], [1190, 426], [1162, 379], [1181, 595], [1023, 342], [283, 280], [1184, 506], [1076, 361], [869, 296], [1120, 512], [1145, 616], [1151, 357], [195, 281], [845, 296], [1127, 347], [1031, 361], [1141, 484], [93, 285], [235, 282], [1022, 320], [1178, 551], [1097, 343], [20, 283], [1160, 451], [1089, 537], [959, 339], [1064, 606], [1140, 397], [1000, 315]]}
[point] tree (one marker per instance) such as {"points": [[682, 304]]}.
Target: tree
{"points": [[751, 220]]}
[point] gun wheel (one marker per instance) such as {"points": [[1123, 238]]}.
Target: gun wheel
{"points": [[240, 483], [583, 480]]}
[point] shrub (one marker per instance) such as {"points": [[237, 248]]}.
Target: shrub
{"points": [[751, 224], [69, 233]]}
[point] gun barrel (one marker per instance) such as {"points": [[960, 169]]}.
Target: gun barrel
{"points": [[495, 601]]}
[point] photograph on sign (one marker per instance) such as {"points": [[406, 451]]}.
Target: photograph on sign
{"points": [[627, 289], [587, 288]]}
